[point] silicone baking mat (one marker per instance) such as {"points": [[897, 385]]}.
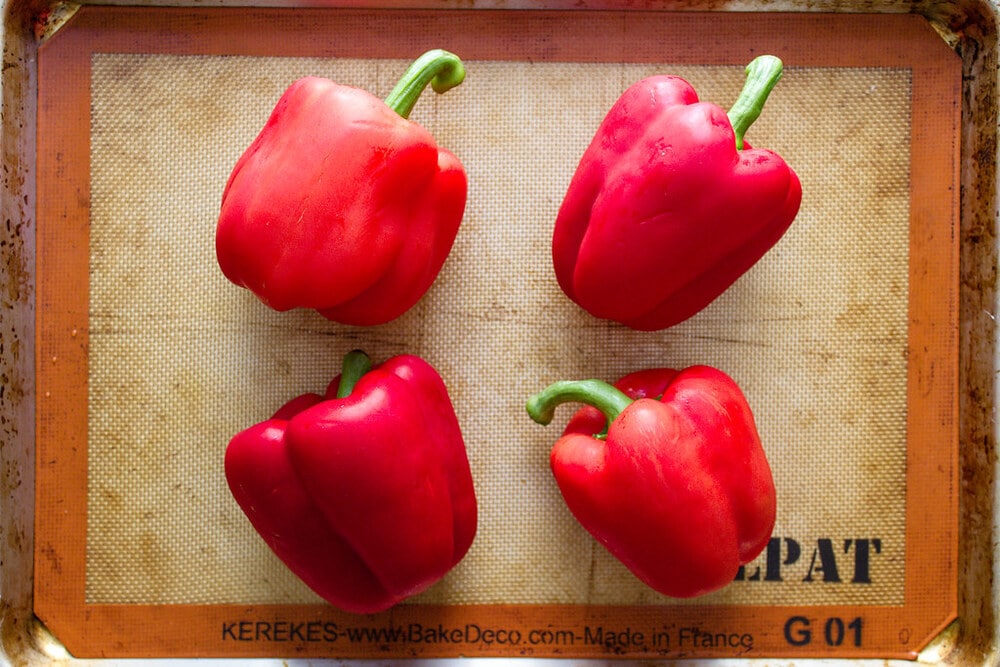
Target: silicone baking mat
{"points": [[843, 337]]}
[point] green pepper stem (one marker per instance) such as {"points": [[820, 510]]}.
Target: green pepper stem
{"points": [[601, 395], [356, 363], [763, 73], [441, 69]]}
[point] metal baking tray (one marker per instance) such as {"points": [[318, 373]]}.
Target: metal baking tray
{"points": [[33, 498]]}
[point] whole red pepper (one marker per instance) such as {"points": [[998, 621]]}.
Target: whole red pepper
{"points": [[669, 206], [342, 204], [365, 493], [666, 470]]}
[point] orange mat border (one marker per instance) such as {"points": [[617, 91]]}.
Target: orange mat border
{"points": [[809, 40]]}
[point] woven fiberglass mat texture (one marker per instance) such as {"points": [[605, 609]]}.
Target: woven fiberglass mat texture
{"points": [[180, 359]]}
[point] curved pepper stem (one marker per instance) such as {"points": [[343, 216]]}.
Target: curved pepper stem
{"points": [[356, 363], [601, 395], [439, 68], [763, 73]]}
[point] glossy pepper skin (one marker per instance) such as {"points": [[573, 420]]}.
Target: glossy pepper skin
{"points": [[341, 204], [666, 470], [669, 206], [364, 493]]}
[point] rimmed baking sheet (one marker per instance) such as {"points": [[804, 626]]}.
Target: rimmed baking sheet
{"points": [[844, 338]]}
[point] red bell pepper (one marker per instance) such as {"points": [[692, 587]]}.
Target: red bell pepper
{"points": [[669, 206], [342, 204], [666, 470], [365, 493]]}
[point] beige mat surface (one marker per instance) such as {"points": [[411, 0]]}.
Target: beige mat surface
{"points": [[180, 359]]}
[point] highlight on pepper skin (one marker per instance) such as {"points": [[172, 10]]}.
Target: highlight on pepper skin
{"points": [[666, 470], [364, 492]]}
